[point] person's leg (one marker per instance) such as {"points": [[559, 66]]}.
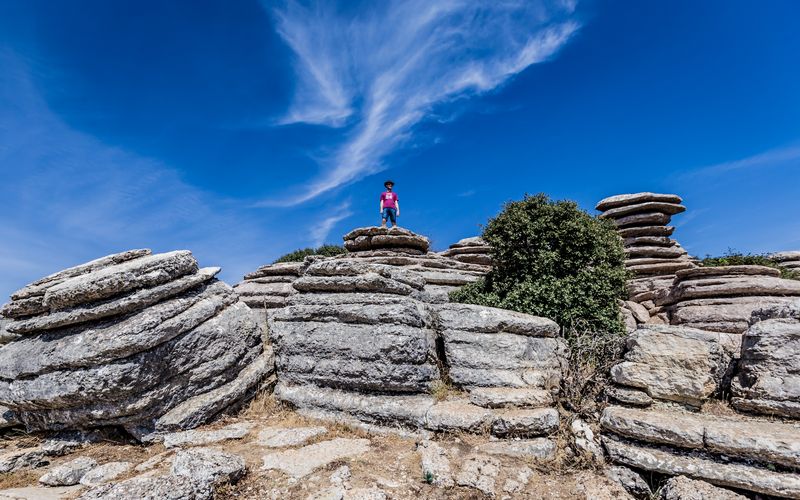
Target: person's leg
{"points": [[384, 216], [392, 216]]}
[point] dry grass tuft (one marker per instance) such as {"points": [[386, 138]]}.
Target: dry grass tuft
{"points": [[20, 479]]}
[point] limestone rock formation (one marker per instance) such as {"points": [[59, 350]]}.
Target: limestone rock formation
{"points": [[395, 239], [768, 380], [148, 342], [722, 299], [672, 363], [471, 250], [726, 451], [364, 339], [790, 260], [653, 257], [269, 286]]}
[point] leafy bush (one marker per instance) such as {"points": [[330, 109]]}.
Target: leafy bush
{"points": [[734, 258], [552, 259], [324, 250]]}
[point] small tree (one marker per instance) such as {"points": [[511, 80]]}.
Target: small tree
{"points": [[552, 259], [299, 255]]}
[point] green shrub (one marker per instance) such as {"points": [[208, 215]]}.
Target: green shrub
{"points": [[299, 255], [552, 259], [734, 258]]}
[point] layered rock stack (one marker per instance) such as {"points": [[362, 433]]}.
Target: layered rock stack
{"points": [[671, 374], [269, 287], [402, 248], [471, 250], [642, 220], [378, 240], [788, 260], [147, 342], [722, 299], [362, 341]]}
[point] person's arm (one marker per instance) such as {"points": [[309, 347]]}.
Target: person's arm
{"points": [[397, 206], [381, 209]]}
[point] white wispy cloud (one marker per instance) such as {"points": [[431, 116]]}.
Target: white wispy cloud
{"points": [[320, 230], [382, 70], [788, 156]]}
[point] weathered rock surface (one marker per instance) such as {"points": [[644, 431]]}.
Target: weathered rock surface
{"points": [[68, 474], [303, 461], [124, 340], [630, 480], [471, 250], [277, 437], [435, 464], [380, 238], [197, 438], [733, 475], [768, 380], [622, 200], [678, 364], [479, 472], [270, 286], [683, 488], [105, 473], [723, 298]]}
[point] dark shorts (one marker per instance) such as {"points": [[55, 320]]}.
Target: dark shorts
{"points": [[390, 214]]}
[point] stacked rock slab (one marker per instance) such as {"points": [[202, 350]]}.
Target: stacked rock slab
{"points": [[658, 421], [722, 299], [789, 260], [396, 239], [471, 250], [442, 274], [768, 380], [364, 340], [269, 286], [642, 220], [147, 342]]}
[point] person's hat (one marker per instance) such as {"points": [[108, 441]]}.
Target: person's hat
{"points": [[388, 182]]}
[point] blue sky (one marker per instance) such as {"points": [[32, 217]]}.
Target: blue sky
{"points": [[243, 130]]}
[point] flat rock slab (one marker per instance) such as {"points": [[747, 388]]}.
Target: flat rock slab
{"points": [[303, 461], [732, 475], [524, 422], [68, 474], [683, 488], [197, 437], [435, 464], [646, 231], [105, 473], [169, 487], [638, 208], [538, 448], [279, 437], [622, 200], [279, 269], [643, 219], [207, 468], [40, 493], [481, 319], [479, 472], [707, 272], [517, 397]]}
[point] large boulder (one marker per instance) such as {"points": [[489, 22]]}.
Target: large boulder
{"points": [[679, 364], [132, 339], [269, 286], [768, 380]]}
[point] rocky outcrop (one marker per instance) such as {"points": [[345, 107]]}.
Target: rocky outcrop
{"points": [[790, 260], [726, 451], [652, 256], [365, 339], [671, 363], [722, 299], [269, 286], [768, 380], [396, 239], [148, 342], [471, 250]]}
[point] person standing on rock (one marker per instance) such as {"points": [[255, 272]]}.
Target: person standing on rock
{"points": [[390, 205]]}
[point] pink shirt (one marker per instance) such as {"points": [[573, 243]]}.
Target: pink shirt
{"points": [[389, 199]]}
